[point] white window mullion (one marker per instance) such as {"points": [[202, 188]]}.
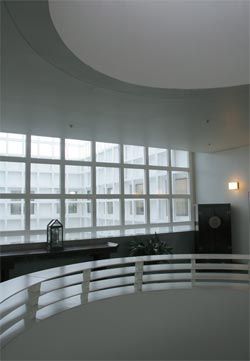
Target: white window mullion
{"points": [[94, 220], [171, 217], [122, 200], [27, 189], [147, 201], [62, 183], [192, 192]]}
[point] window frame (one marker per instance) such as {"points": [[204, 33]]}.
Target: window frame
{"points": [[27, 196]]}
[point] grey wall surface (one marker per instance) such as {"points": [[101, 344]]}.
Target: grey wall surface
{"points": [[212, 174], [198, 324]]}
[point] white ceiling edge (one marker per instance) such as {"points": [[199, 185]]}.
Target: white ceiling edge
{"points": [[173, 44]]}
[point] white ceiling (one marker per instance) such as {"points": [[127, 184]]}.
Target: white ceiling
{"points": [[181, 44]]}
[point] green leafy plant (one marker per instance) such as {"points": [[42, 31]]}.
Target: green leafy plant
{"points": [[149, 247]]}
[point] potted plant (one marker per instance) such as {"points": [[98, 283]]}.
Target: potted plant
{"points": [[151, 246]]}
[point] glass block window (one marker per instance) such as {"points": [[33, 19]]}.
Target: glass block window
{"points": [[180, 158], [180, 182], [96, 189], [108, 212], [12, 145], [78, 179], [78, 213], [42, 211], [159, 211], [12, 214], [134, 154], [134, 181], [181, 210], [107, 152], [158, 156], [77, 150], [107, 180], [45, 147], [135, 211], [45, 178], [158, 182], [135, 231], [12, 177]]}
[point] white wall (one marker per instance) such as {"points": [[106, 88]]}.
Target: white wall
{"points": [[212, 172], [198, 324]]}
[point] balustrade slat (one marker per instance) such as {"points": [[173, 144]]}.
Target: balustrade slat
{"points": [[59, 294], [57, 307], [165, 286], [12, 317], [221, 266], [48, 292], [167, 267], [12, 303], [113, 282], [61, 282], [226, 276], [166, 277], [106, 273]]}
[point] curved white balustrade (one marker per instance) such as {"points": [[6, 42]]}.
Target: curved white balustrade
{"points": [[37, 296]]}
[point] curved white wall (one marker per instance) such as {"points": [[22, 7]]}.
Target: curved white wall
{"points": [[198, 324]]}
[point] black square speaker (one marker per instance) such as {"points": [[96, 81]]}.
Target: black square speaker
{"points": [[214, 235]]}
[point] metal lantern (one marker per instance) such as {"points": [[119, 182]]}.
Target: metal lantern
{"points": [[55, 235]]}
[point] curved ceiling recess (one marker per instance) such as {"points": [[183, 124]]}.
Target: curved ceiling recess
{"points": [[165, 44], [46, 42], [105, 108]]}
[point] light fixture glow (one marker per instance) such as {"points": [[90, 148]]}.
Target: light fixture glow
{"points": [[233, 186]]}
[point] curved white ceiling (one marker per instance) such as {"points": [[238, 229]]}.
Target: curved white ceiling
{"points": [[168, 44]]}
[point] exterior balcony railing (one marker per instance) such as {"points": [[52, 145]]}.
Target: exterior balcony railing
{"points": [[32, 298]]}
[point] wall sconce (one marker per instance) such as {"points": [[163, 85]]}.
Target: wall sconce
{"points": [[233, 186]]}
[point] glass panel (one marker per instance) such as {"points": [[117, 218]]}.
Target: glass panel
{"points": [[77, 150], [45, 147], [11, 239], [182, 228], [179, 158], [158, 182], [38, 238], [159, 230], [132, 232], [11, 214], [181, 210], [180, 183], [159, 211], [107, 180], [45, 178], [42, 211], [78, 213], [158, 156], [135, 211], [134, 154], [12, 144], [73, 236], [109, 233], [77, 179], [108, 212], [12, 177], [107, 152], [134, 181]]}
